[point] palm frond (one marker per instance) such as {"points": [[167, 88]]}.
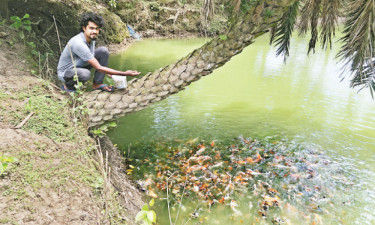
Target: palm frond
{"points": [[365, 78], [272, 34], [284, 29], [357, 50], [305, 17], [329, 19], [310, 15]]}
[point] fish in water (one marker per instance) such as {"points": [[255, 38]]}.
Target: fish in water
{"points": [[201, 150], [217, 174], [233, 204]]}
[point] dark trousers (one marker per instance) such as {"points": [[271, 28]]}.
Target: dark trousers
{"points": [[84, 74]]}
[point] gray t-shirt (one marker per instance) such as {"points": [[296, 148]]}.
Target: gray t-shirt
{"points": [[81, 52]]}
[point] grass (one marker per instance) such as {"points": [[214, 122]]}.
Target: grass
{"points": [[48, 119], [51, 115], [56, 156]]}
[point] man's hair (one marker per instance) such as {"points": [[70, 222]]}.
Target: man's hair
{"points": [[93, 17]]}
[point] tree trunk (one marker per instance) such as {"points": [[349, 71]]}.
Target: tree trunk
{"points": [[158, 85], [4, 9]]}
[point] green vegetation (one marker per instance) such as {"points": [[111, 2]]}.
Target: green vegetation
{"points": [[78, 106], [223, 37], [268, 13], [21, 24], [4, 162], [2, 22], [102, 130], [36, 46], [112, 3], [48, 119], [146, 215]]}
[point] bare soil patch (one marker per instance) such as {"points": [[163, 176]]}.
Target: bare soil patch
{"points": [[55, 179]]}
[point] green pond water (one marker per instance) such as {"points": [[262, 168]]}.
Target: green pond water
{"points": [[256, 95]]}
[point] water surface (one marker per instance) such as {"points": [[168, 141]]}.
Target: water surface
{"points": [[257, 95]]}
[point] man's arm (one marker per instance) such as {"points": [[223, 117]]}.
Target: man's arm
{"points": [[94, 63]]}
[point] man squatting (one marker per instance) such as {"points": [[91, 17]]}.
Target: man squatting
{"points": [[82, 49]]}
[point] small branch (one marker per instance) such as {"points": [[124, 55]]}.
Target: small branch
{"points": [[24, 121], [169, 210], [40, 70], [36, 23], [105, 171], [193, 212], [48, 30], [57, 31], [106, 188], [183, 192], [176, 16], [168, 8]]}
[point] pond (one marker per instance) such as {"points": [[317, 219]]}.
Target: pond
{"points": [[302, 103]]}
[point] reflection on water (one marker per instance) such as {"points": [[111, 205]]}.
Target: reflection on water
{"points": [[257, 95]]}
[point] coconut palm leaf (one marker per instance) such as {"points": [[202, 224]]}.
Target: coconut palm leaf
{"points": [[365, 78], [305, 16], [329, 19], [357, 50], [284, 29], [273, 34], [309, 19]]}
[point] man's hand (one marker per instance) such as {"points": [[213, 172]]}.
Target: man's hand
{"points": [[132, 73]]}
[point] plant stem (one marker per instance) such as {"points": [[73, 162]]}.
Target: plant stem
{"points": [[169, 210], [183, 192], [57, 31]]}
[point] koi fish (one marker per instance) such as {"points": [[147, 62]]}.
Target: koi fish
{"points": [[250, 205], [233, 204], [251, 172], [216, 165], [196, 188], [192, 141], [152, 194], [293, 168], [201, 150]]}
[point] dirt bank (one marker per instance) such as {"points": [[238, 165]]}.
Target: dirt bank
{"points": [[57, 176]]}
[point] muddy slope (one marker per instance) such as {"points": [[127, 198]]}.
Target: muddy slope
{"points": [[56, 175]]}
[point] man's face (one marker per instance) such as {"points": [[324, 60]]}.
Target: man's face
{"points": [[91, 31]]}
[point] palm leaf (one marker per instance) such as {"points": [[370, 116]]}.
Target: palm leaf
{"points": [[272, 34], [284, 29], [305, 17], [329, 19], [364, 78], [357, 51], [310, 15]]}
